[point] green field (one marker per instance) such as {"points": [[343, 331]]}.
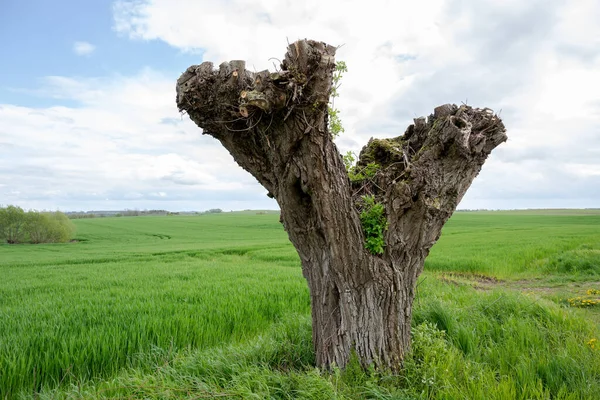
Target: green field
{"points": [[216, 306]]}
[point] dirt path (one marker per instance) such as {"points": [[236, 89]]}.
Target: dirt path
{"points": [[568, 294]]}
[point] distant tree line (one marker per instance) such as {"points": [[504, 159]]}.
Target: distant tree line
{"points": [[135, 213], [81, 215], [211, 211], [122, 213], [19, 226]]}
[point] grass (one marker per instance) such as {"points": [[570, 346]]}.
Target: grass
{"points": [[216, 306], [126, 239], [518, 245], [84, 309]]}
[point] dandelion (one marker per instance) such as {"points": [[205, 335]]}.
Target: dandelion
{"points": [[592, 343], [582, 302]]}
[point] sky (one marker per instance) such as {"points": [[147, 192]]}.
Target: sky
{"points": [[88, 119]]}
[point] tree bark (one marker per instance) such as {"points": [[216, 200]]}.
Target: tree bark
{"points": [[275, 125]]}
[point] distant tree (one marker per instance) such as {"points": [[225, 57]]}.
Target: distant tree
{"points": [[362, 239], [80, 215], [131, 213], [36, 227], [18, 226], [12, 219], [60, 228]]}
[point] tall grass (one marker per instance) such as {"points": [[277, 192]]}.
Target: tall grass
{"points": [[505, 345], [189, 307], [89, 320], [466, 345]]}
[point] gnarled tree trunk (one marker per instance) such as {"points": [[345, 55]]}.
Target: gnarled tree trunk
{"points": [[274, 124]]}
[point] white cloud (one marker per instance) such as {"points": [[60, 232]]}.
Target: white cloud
{"points": [[536, 62], [115, 151], [83, 48], [375, 36]]}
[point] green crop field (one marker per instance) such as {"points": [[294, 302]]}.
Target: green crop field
{"points": [[216, 306]]}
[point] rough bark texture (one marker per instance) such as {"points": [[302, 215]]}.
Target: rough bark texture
{"points": [[274, 124]]}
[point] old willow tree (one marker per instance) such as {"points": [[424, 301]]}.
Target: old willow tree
{"points": [[275, 125]]}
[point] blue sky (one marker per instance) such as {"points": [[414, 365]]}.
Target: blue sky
{"points": [[88, 117], [39, 36]]}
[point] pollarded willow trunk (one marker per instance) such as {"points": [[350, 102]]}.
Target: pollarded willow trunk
{"points": [[274, 124]]}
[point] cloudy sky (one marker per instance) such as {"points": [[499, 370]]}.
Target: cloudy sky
{"points": [[87, 93]]}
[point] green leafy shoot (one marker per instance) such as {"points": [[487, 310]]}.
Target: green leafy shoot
{"points": [[335, 123], [357, 173], [374, 224], [349, 159]]}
